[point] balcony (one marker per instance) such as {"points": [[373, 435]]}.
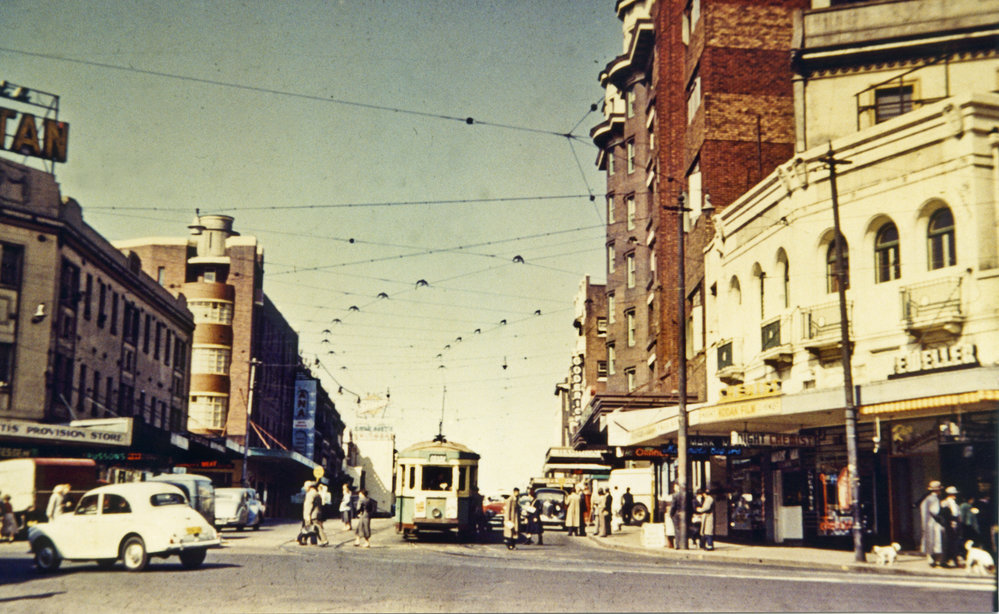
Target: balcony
{"points": [[729, 370], [932, 310], [775, 344], [821, 334]]}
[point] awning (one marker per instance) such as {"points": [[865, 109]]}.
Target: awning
{"points": [[963, 400]]}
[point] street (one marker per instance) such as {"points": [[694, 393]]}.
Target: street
{"points": [[267, 571]]}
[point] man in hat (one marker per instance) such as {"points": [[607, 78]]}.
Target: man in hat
{"points": [[950, 513], [932, 524]]}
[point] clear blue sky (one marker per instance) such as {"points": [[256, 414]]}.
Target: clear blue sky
{"points": [[304, 120]]}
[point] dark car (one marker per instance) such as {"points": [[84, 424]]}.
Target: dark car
{"points": [[552, 502]]}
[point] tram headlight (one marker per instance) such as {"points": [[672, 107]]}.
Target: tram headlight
{"points": [[437, 512]]}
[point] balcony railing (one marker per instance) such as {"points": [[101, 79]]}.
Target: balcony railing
{"points": [[775, 346], [730, 369], [934, 307], [821, 328]]}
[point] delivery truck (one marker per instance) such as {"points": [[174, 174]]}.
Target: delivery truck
{"points": [[29, 482]]}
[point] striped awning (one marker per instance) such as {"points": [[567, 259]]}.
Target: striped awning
{"points": [[936, 402]]}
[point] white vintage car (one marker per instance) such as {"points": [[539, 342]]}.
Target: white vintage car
{"points": [[131, 522]]}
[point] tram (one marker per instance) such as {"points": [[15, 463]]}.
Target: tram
{"points": [[436, 488]]}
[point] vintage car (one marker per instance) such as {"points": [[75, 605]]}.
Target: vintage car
{"points": [[232, 508], [130, 522]]}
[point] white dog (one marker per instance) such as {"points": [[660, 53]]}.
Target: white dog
{"points": [[886, 554], [977, 561]]}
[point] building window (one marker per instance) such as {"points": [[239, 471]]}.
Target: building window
{"points": [[631, 156], [601, 369], [629, 375], [207, 412], [210, 360], [630, 201], [693, 97], [611, 308], [629, 317], [886, 262], [630, 261], [167, 346], [629, 102], [785, 271], [157, 340], [88, 296], [6, 362], [890, 102], [146, 333], [940, 236], [10, 266], [611, 359], [209, 275], [95, 393], [211, 312], [102, 312], [81, 392], [832, 281], [602, 327], [161, 275], [610, 162], [610, 258], [610, 208], [114, 313]]}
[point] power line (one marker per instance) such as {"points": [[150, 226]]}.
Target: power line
{"points": [[402, 203], [266, 90]]}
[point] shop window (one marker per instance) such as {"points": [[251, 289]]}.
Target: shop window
{"points": [[886, 261], [940, 237]]}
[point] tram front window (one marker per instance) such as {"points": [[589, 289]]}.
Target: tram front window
{"points": [[436, 478]]}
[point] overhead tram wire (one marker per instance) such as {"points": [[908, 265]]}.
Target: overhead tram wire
{"points": [[470, 121]]}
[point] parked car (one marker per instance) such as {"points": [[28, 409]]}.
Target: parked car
{"points": [[129, 522], [552, 501], [257, 509], [492, 508], [232, 508], [198, 489]]}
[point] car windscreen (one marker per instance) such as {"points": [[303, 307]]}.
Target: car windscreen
{"points": [[552, 495], [167, 498]]}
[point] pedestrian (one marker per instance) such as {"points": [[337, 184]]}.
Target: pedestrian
{"points": [[365, 508], [606, 511], [534, 526], [345, 507], [572, 515], [676, 511], [583, 509], [968, 517], [8, 527], [57, 502], [476, 515], [511, 520], [932, 524], [950, 512], [312, 507], [706, 510], [617, 519], [627, 502], [598, 512]]}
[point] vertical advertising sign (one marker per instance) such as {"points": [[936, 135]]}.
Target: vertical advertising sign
{"points": [[304, 421]]}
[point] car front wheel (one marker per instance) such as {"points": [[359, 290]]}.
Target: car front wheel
{"points": [[46, 556], [134, 555], [639, 514], [192, 559]]}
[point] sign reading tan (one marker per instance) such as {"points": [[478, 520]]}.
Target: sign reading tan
{"points": [[25, 140]]}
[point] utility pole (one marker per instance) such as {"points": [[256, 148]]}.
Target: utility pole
{"points": [[682, 460], [845, 351], [249, 413]]}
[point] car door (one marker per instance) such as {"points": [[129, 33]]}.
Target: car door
{"points": [[111, 525], [73, 533]]}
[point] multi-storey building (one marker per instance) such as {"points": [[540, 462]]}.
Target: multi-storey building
{"points": [[588, 373], [901, 93], [244, 355], [86, 338]]}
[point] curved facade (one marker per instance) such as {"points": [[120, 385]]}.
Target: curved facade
{"points": [[211, 354]]}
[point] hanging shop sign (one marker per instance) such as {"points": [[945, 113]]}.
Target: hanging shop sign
{"points": [[696, 446], [47, 142], [772, 440], [958, 356]]}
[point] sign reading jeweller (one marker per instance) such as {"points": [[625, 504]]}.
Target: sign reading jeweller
{"points": [[936, 359]]}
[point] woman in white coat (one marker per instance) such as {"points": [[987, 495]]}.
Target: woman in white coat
{"points": [[511, 520]]}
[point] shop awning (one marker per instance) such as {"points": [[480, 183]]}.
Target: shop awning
{"points": [[962, 400]]}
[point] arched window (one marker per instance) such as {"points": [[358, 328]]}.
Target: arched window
{"points": [[886, 262], [832, 283], [761, 285], [785, 273], [940, 240]]}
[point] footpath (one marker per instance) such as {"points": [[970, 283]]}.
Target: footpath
{"points": [[649, 539]]}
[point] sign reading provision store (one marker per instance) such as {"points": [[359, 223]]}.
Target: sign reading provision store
{"points": [[119, 434]]}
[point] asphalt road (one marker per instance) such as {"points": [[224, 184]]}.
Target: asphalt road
{"points": [[267, 571]]}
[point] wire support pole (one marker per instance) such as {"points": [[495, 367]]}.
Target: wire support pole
{"points": [[249, 417], [831, 162]]}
